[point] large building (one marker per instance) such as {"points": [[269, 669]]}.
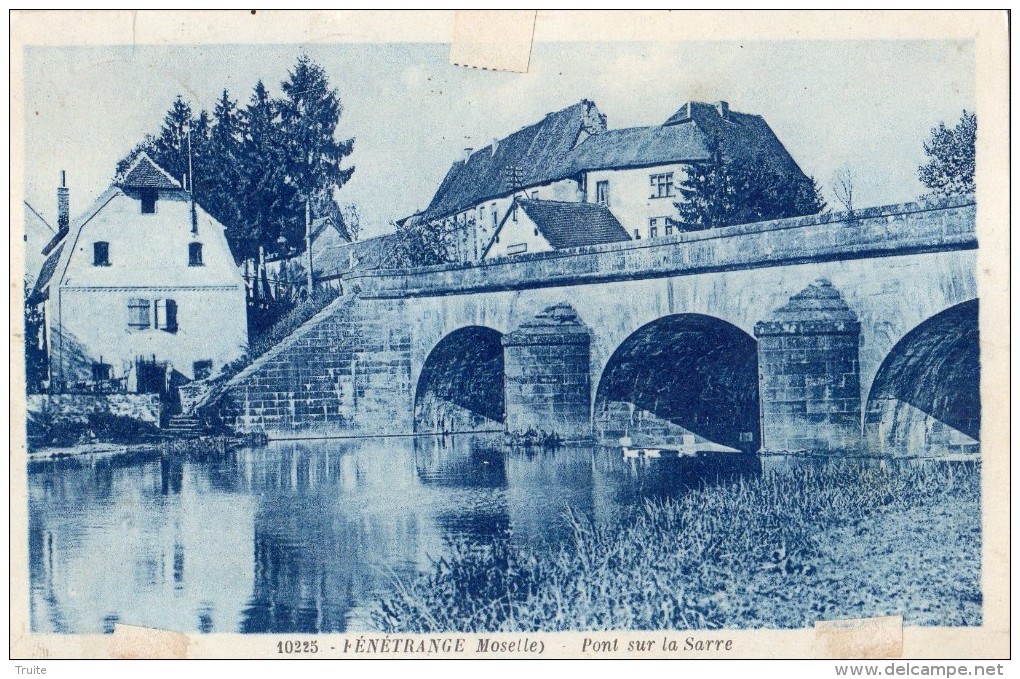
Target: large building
{"points": [[141, 291], [572, 156]]}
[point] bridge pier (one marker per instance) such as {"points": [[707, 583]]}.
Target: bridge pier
{"points": [[809, 374], [548, 375]]}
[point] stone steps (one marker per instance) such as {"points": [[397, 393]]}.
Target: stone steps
{"points": [[185, 426]]}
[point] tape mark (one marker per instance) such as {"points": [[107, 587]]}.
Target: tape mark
{"points": [[861, 638], [493, 40], [130, 642]]}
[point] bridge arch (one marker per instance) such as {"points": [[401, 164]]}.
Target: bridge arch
{"points": [[460, 386], [678, 375], [925, 398]]}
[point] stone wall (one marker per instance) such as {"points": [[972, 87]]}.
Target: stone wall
{"points": [[548, 375], [355, 368], [76, 408], [347, 368], [873, 232], [810, 374]]}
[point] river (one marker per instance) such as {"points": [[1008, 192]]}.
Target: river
{"points": [[300, 536]]}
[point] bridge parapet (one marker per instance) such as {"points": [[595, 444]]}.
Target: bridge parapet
{"points": [[935, 226]]}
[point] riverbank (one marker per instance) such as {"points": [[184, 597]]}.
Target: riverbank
{"points": [[783, 550]]}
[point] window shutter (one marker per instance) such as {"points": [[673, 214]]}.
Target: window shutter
{"points": [[138, 313], [171, 315]]}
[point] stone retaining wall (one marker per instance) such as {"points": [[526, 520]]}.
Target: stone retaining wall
{"points": [[77, 407]]}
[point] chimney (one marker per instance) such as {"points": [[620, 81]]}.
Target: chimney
{"points": [[467, 153], [63, 204], [723, 108]]}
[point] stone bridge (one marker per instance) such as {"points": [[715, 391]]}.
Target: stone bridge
{"points": [[836, 332]]}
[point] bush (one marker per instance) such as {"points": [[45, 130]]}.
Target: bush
{"points": [[44, 429]]}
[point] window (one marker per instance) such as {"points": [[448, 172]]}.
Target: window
{"points": [[494, 216], [166, 315], [534, 195], [662, 185], [637, 234], [653, 227], [138, 313], [517, 248], [101, 372], [149, 201], [194, 254], [669, 228], [202, 369], [602, 192], [100, 253]]}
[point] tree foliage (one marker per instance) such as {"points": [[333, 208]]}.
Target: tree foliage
{"points": [[720, 192], [950, 167], [255, 166], [420, 244]]}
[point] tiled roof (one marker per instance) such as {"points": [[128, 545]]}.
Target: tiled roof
{"points": [[572, 225], [537, 152], [367, 254], [145, 174], [548, 151]]}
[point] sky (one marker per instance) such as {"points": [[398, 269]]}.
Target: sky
{"points": [[863, 105]]}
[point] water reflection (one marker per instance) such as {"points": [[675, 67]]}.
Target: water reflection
{"points": [[300, 536]]}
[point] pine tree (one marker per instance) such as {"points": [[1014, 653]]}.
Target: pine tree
{"points": [[268, 204], [223, 176], [310, 113], [256, 166], [170, 148], [720, 192], [951, 152]]}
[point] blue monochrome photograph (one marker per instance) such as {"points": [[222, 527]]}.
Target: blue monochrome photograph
{"points": [[345, 338]]}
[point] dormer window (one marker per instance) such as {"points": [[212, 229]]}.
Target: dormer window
{"points": [[149, 201], [195, 254], [100, 253]]}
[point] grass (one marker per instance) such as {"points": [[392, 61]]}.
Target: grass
{"points": [[290, 321], [779, 551]]}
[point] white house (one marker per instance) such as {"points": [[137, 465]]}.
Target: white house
{"points": [[141, 290], [572, 156], [542, 225]]}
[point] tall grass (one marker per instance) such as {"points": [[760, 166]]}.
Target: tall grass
{"points": [[767, 551]]}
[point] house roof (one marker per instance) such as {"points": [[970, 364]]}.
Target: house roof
{"points": [[555, 149], [41, 289], [535, 153], [370, 253], [144, 173], [573, 225]]}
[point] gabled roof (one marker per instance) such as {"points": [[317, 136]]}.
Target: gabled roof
{"points": [[570, 225], [144, 173], [535, 153], [555, 149], [97, 205]]}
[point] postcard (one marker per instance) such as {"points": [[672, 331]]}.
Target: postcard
{"points": [[509, 334]]}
